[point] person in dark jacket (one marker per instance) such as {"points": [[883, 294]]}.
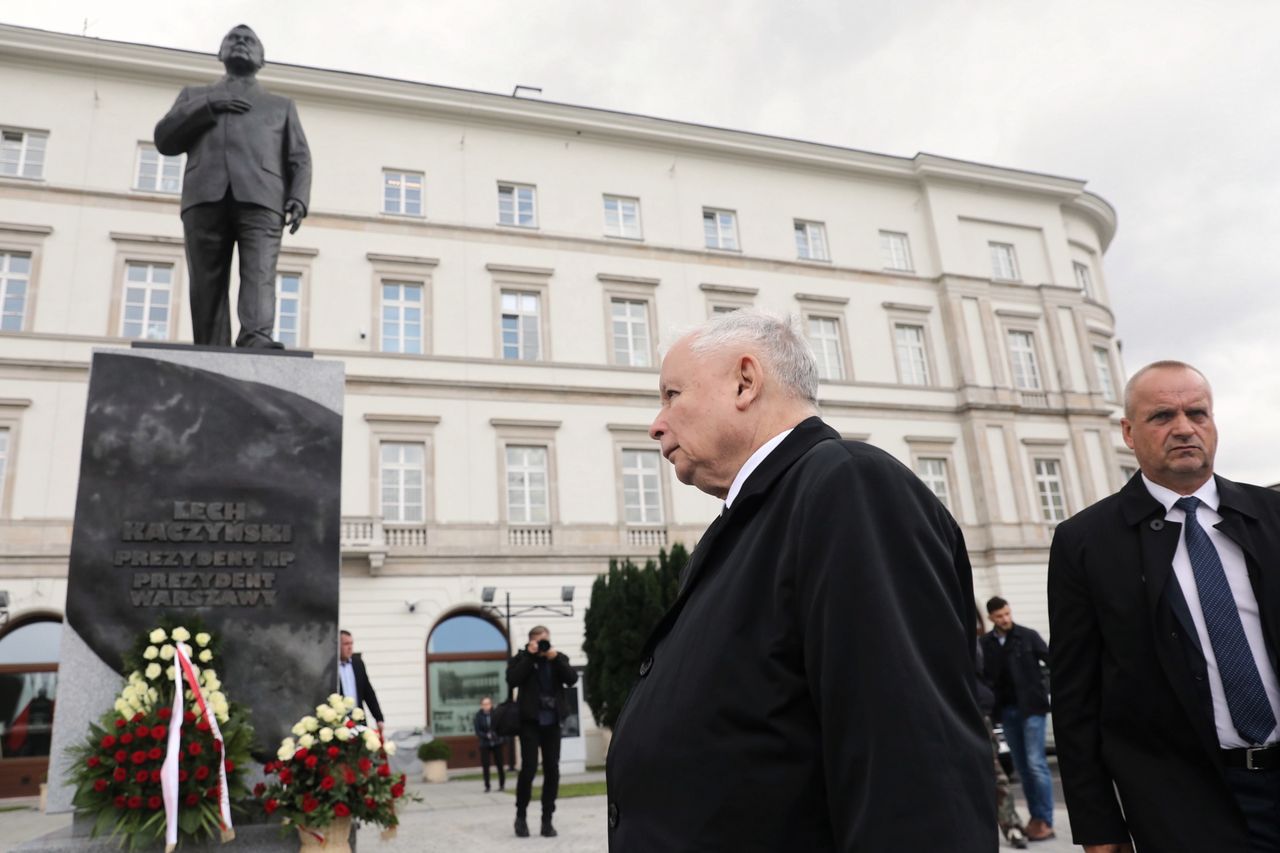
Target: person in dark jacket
{"points": [[537, 673], [353, 678], [490, 743], [813, 687], [1011, 656]]}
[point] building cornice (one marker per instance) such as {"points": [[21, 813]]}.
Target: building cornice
{"points": [[101, 56]]}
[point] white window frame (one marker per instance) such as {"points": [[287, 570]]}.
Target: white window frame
{"points": [[522, 326], [1045, 483], [940, 476], [1106, 375], [895, 251], [402, 429], [519, 432], [161, 162], [912, 371], [150, 289], [402, 467], [148, 249], [401, 203], [647, 481], [616, 219], [1031, 359], [1084, 277], [30, 158], [11, 411], [11, 281], [282, 300], [821, 352], [720, 229], [521, 461], [402, 305], [513, 216], [1004, 261], [811, 240]]}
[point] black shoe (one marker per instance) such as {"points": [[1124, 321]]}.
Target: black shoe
{"points": [[522, 828], [548, 831], [486, 789]]}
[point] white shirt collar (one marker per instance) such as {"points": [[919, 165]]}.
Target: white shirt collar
{"points": [[1208, 493], [752, 464]]}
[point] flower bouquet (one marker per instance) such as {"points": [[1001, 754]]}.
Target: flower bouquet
{"points": [[117, 771], [332, 771]]}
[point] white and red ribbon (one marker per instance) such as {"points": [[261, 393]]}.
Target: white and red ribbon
{"points": [[184, 670]]}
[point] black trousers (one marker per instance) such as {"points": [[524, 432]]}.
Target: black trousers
{"points": [[1258, 793], [492, 752], [532, 738], [211, 231]]}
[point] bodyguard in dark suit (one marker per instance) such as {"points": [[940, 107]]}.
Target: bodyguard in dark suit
{"points": [[1164, 602], [353, 678], [813, 687], [248, 174]]}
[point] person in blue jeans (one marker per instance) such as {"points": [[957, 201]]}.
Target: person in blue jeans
{"points": [[1011, 658]]}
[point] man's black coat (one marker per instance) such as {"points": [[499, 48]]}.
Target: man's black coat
{"points": [[812, 688], [1022, 652], [364, 690], [1131, 704], [522, 674]]}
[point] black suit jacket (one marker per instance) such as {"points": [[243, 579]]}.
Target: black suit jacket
{"points": [[1132, 709], [364, 690], [812, 689], [261, 155], [522, 675]]}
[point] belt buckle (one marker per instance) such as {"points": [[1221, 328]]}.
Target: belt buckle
{"points": [[1248, 756]]}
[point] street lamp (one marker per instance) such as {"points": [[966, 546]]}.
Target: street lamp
{"points": [[564, 608]]}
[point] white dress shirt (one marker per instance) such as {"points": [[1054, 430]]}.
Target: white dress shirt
{"points": [[1233, 564], [752, 464], [347, 678]]}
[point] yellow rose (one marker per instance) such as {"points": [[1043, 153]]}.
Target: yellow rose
{"points": [[203, 639], [206, 656], [168, 673], [153, 670], [151, 653], [312, 723], [335, 699], [343, 734], [299, 729], [326, 713], [167, 653], [181, 634], [157, 636], [357, 714], [326, 734], [390, 747], [306, 741], [348, 702], [286, 750]]}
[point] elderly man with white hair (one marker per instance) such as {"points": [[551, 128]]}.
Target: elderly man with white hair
{"points": [[812, 688]]}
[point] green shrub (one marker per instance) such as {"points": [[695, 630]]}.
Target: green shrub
{"points": [[434, 750]]}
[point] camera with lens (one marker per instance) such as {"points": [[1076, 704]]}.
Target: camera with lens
{"points": [[544, 646]]}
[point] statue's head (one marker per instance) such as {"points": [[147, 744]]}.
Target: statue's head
{"points": [[241, 51]]}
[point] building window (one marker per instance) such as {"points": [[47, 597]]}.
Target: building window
{"points": [[526, 484], [641, 488], [1084, 278], [516, 205], [913, 360], [521, 326], [824, 337], [895, 251], [402, 317], [1022, 356], [401, 476], [4, 462], [622, 217], [1004, 262], [932, 471], [1102, 360], [720, 228], [15, 281], [22, 153], [402, 193], [811, 241], [147, 300], [630, 318], [1053, 506], [156, 172], [288, 308]]}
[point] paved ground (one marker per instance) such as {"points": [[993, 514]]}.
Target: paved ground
{"points": [[459, 816]]}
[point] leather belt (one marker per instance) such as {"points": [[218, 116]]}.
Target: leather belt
{"points": [[1253, 757]]}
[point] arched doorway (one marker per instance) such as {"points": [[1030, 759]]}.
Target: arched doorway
{"points": [[467, 653], [28, 690]]}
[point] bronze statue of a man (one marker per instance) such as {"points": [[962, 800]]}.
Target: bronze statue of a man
{"points": [[248, 175]]}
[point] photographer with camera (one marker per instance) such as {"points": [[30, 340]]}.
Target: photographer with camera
{"points": [[538, 672]]}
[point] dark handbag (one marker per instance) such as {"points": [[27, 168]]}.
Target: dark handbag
{"points": [[506, 719]]}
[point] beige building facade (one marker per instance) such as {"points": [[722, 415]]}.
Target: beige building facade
{"points": [[496, 274]]}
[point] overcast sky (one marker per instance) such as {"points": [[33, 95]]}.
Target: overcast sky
{"points": [[1167, 109]]}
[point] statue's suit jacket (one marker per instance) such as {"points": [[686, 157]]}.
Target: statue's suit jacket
{"points": [[1132, 711], [261, 155]]}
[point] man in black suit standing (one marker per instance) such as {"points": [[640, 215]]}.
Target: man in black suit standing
{"points": [[248, 175], [1164, 603], [538, 672], [353, 679]]}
